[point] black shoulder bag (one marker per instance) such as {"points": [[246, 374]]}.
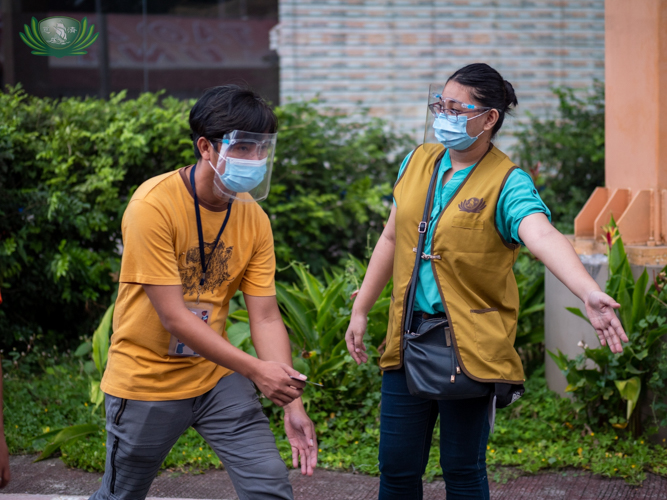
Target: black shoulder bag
{"points": [[432, 369]]}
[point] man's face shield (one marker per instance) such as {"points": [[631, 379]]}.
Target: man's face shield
{"points": [[244, 165]]}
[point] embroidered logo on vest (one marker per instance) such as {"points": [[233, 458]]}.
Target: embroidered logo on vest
{"points": [[472, 205]]}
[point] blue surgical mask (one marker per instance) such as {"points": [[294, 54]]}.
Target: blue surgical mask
{"points": [[242, 176], [454, 135]]}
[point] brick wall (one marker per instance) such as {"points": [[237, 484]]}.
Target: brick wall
{"points": [[383, 54]]}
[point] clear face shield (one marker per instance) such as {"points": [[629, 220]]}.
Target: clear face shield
{"points": [[244, 165], [447, 119], [434, 97]]}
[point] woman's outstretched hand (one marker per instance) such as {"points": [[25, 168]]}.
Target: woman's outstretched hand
{"points": [[600, 310], [354, 338]]}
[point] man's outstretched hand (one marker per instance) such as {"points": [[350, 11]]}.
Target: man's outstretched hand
{"points": [[300, 431]]}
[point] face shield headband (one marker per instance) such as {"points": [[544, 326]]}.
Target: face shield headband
{"points": [[244, 165]]}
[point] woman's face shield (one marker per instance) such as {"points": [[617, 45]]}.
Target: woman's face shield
{"points": [[452, 109], [244, 165], [434, 97]]}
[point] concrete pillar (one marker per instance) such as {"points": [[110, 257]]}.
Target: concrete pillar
{"points": [[635, 167], [635, 131]]}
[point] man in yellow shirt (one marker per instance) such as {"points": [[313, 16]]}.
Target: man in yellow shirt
{"points": [[192, 238]]}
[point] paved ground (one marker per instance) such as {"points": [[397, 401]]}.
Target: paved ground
{"points": [[51, 480]]}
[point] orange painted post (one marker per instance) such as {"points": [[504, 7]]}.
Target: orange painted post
{"points": [[635, 133]]}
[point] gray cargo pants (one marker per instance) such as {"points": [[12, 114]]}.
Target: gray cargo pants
{"points": [[229, 417]]}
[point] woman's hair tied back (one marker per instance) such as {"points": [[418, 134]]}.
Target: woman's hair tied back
{"points": [[488, 88]]}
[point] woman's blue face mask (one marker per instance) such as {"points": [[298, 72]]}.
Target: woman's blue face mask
{"points": [[454, 134]]}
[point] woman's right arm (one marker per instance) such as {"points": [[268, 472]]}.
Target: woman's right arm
{"points": [[380, 269]]}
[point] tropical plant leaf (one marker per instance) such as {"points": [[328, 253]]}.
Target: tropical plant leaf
{"points": [[96, 394], [654, 335], [625, 312], [310, 283], [629, 390], [239, 315], [577, 312], [531, 310], [532, 337], [599, 356], [238, 333], [327, 339], [560, 359], [639, 298], [83, 349], [380, 305], [330, 296], [296, 315], [101, 341], [64, 436]]}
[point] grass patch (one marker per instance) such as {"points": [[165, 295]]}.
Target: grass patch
{"points": [[542, 431]]}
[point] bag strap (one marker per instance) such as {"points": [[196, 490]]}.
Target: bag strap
{"points": [[422, 228]]}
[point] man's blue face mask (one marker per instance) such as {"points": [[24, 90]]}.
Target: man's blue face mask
{"points": [[241, 176]]}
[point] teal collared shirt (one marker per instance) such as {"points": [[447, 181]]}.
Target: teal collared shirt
{"points": [[518, 199]]}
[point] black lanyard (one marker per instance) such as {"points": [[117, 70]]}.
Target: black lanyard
{"points": [[200, 232]]}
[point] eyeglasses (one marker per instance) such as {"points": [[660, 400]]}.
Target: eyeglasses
{"points": [[445, 106], [245, 149]]}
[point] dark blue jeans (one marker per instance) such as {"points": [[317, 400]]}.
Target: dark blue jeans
{"points": [[406, 429]]}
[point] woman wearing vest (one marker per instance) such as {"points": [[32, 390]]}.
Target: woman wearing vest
{"points": [[483, 209]]}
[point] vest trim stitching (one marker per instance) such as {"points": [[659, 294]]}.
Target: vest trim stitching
{"points": [[511, 246], [407, 290], [412, 155], [437, 279]]}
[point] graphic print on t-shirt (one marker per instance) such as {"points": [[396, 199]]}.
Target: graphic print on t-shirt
{"points": [[217, 272]]}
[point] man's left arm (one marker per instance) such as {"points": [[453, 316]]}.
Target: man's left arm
{"points": [[271, 342]]}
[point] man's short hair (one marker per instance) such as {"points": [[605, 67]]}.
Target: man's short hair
{"points": [[229, 107]]}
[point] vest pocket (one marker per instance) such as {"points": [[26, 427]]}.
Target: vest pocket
{"points": [[490, 335], [467, 222]]}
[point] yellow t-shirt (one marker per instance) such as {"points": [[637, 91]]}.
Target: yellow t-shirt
{"points": [[161, 247]]}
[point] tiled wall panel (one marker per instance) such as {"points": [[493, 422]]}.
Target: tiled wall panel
{"points": [[382, 55]]}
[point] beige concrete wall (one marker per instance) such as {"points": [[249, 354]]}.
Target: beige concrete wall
{"points": [[562, 329]]}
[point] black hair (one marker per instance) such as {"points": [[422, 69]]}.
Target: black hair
{"points": [[229, 107], [488, 88]]}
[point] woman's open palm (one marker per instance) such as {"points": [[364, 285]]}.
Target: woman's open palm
{"points": [[600, 309]]}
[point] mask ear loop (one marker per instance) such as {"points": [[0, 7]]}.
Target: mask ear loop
{"points": [[477, 136], [224, 145]]}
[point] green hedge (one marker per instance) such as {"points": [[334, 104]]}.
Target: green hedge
{"points": [[68, 168]]}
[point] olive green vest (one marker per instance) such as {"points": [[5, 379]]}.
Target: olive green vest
{"points": [[474, 272]]}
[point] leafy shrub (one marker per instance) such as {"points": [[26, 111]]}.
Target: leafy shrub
{"points": [[332, 184], [68, 168], [610, 391], [565, 154], [529, 273]]}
